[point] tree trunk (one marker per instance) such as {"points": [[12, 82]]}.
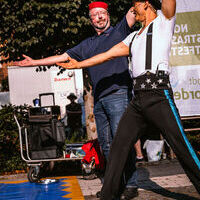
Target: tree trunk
{"points": [[89, 105]]}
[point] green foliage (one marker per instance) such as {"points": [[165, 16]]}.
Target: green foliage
{"points": [[77, 137], [40, 27], [10, 159], [194, 140], [193, 136], [194, 123]]}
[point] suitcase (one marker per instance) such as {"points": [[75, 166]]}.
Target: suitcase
{"points": [[46, 134]]}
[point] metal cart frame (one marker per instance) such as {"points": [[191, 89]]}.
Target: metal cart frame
{"points": [[35, 164]]}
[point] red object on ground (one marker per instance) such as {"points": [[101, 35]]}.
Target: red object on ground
{"points": [[92, 150], [67, 156]]}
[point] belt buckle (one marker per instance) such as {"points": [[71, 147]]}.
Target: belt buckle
{"points": [[148, 73]]}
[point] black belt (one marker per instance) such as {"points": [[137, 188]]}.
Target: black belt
{"points": [[151, 81]]}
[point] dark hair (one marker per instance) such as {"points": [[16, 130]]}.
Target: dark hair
{"points": [[155, 3]]}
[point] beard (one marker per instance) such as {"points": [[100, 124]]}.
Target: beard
{"points": [[100, 27]]}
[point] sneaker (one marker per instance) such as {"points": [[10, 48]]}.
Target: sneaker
{"points": [[98, 194], [129, 193]]}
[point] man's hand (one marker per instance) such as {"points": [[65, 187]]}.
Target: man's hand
{"points": [[130, 17], [71, 64], [28, 61]]}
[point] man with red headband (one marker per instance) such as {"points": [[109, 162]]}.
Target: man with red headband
{"points": [[111, 81]]}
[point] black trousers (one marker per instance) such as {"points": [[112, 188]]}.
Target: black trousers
{"points": [[157, 108]]}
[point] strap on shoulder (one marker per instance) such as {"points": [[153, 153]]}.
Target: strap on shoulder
{"points": [[130, 55], [149, 47]]}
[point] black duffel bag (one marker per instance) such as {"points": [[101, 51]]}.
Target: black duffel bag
{"points": [[46, 139]]}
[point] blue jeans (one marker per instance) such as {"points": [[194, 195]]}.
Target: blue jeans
{"points": [[108, 111]]}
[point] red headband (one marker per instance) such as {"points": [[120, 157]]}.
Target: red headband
{"points": [[98, 4]]}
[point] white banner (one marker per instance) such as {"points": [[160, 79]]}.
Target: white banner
{"points": [[185, 58], [62, 86]]}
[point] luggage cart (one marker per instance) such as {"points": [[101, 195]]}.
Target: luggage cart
{"points": [[43, 122]]}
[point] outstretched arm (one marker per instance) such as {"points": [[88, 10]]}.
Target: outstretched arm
{"points": [[28, 61], [116, 51], [169, 8]]}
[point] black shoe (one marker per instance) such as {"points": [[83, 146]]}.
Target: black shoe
{"points": [[139, 159], [129, 193], [98, 194]]}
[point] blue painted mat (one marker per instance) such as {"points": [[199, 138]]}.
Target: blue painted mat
{"points": [[33, 191]]}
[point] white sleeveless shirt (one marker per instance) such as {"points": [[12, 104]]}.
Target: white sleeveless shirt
{"points": [[163, 29]]}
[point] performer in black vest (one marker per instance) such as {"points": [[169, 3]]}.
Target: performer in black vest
{"points": [[153, 97]]}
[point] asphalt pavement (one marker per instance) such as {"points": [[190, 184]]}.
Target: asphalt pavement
{"points": [[160, 180]]}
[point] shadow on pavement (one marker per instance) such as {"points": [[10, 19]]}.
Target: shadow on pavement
{"points": [[62, 168], [146, 183]]}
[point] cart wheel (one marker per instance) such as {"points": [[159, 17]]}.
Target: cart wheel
{"points": [[33, 174]]}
